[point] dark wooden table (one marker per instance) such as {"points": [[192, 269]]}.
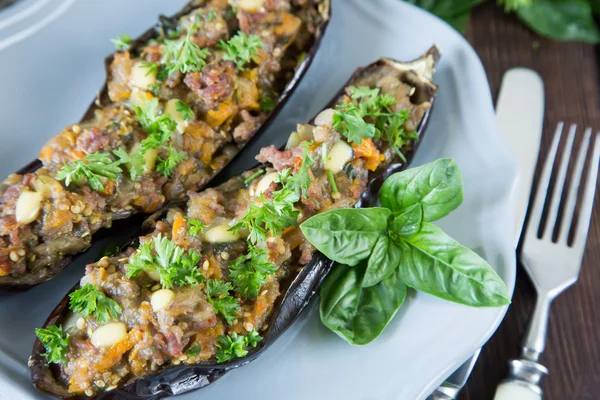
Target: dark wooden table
{"points": [[570, 73]]}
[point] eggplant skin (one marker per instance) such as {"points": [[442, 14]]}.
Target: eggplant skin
{"points": [[26, 282], [182, 379]]}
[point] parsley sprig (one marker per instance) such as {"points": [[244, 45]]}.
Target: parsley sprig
{"points": [[274, 216], [268, 216], [160, 127], [235, 345], [166, 166], [186, 111], [249, 272], [174, 265], [301, 180], [370, 115], [122, 42], [241, 48], [217, 293], [89, 300], [195, 226], [135, 162], [184, 55], [55, 342], [91, 169], [194, 350]]}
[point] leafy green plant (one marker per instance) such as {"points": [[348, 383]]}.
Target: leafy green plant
{"points": [[174, 265], [234, 345], [89, 300], [556, 19], [91, 169], [383, 250], [55, 342]]}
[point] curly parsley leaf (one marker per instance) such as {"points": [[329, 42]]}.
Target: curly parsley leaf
{"points": [[253, 338], [89, 300], [135, 162], [267, 103], [91, 169], [186, 112], [273, 216], [241, 48], [349, 118], [160, 127], [151, 67], [249, 272], [234, 345], [268, 216], [55, 342], [166, 166], [195, 226], [194, 350], [174, 265], [184, 55], [301, 180], [217, 293], [122, 42]]}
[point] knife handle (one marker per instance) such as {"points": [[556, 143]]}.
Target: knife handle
{"points": [[515, 390]]}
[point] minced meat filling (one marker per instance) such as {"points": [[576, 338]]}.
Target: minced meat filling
{"points": [[178, 109], [202, 285]]}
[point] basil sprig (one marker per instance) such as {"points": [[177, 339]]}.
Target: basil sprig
{"points": [[382, 250]]}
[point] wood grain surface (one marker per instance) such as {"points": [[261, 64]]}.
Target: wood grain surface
{"points": [[570, 74]]}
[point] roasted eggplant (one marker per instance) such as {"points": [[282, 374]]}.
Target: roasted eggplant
{"points": [[179, 103], [220, 276]]}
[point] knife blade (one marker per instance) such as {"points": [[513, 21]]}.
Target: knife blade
{"points": [[520, 117]]}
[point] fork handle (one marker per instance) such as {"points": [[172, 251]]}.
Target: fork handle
{"points": [[526, 373], [524, 381], [534, 341], [516, 391]]}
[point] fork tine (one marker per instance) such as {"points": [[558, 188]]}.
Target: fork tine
{"points": [[587, 201], [574, 187], [540, 196], [557, 192]]}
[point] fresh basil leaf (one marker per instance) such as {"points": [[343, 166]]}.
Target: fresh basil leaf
{"points": [[346, 235], [434, 263], [460, 22], [595, 7], [561, 19], [455, 12], [355, 313], [436, 187], [407, 223], [383, 261]]}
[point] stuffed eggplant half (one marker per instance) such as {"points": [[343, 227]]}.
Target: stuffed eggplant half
{"points": [[180, 102], [220, 276]]}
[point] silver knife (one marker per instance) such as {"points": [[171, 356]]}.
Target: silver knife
{"points": [[520, 117]]}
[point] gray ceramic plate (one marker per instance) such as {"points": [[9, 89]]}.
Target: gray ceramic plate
{"points": [[49, 74]]}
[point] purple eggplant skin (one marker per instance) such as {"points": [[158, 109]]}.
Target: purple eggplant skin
{"points": [[182, 379], [26, 282]]}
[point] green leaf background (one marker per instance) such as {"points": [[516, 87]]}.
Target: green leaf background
{"points": [[565, 20]]}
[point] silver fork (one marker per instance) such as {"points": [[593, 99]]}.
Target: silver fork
{"points": [[552, 266]]}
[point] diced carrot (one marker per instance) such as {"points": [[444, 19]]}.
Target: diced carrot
{"points": [[367, 150], [247, 94], [115, 353], [214, 268], [179, 231], [293, 236], [289, 25], [297, 163], [224, 110]]}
